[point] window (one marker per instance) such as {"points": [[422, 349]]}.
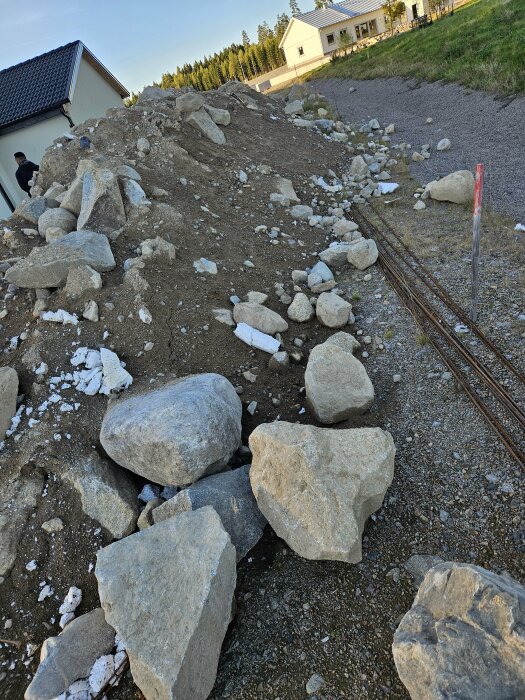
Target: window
{"points": [[373, 27], [330, 39], [343, 33], [362, 30], [301, 51]]}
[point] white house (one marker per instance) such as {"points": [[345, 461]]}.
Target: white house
{"points": [[43, 98], [315, 34]]}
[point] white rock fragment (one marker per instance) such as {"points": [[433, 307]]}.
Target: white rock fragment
{"points": [[60, 316], [257, 339], [102, 670], [202, 265]]}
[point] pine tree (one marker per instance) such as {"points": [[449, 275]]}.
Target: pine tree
{"points": [[245, 39], [294, 8]]}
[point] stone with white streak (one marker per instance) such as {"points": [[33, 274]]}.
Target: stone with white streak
{"points": [[337, 384], [176, 434], [186, 572], [464, 636], [317, 487]]}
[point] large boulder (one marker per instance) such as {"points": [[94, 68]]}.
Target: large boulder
{"points": [[259, 317], [337, 385], [72, 199], [358, 168], [464, 636], [202, 122], [8, 397], [317, 487], [70, 656], [49, 265], [300, 310], [56, 218], [102, 208], [107, 494], [336, 255], [362, 253], [190, 102], [294, 108], [168, 592], [178, 433], [332, 311], [31, 210], [230, 494], [457, 187]]}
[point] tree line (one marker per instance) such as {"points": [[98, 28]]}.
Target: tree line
{"points": [[242, 61]]}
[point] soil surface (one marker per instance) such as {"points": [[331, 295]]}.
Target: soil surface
{"points": [[456, 493], [481, 127]]}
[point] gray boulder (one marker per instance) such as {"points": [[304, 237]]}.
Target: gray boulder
{"points": [[72, 199], [294, 108], [81, 280], [56, 218], [49, 265], [31, 210], [300, 310], [284, 187], [457, 187], [220, 116], [108, 496], [336, 255], [168, 592], [337, 385], [362, 253], [231, 496], [317, 487], [464, 636], [70, 656], [8, 397], [345, 341], [102, 207], [260, 317], [332, 311], [358, 168], [301, 212], [202, 122], [177, 434], [190, 102]]}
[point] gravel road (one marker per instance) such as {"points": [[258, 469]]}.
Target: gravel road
{"points": [[482, 129]]}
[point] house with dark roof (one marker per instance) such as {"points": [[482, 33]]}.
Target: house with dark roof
{"points": [[312, 35], [43, 98]]}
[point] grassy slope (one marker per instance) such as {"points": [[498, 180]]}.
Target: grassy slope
{"points": [[481, 46]]}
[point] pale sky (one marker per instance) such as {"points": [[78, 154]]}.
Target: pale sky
{"points": [[137, 40]]}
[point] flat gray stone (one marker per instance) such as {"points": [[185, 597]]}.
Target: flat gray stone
{"points": [[8, 397], [202, 121], [70, 656], [102, 207], [48, 266], [31, 210], [168, 592], [231, 496], [178, 433], [260, 317]]}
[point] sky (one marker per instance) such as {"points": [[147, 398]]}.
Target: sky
{"points": [[137, 40]]}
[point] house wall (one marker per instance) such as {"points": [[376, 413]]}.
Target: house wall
{"points": [[350, 25], [423, 8], [302, 34], [92, 97]]}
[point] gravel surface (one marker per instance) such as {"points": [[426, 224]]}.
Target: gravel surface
{"points": [[482, 129]]}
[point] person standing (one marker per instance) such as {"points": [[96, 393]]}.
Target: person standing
{"points": [[24, 171]]}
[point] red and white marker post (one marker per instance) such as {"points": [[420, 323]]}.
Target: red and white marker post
{"points": [[476, 232]]}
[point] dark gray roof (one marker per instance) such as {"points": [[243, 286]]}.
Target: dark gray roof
{"points": [[44, 83]]}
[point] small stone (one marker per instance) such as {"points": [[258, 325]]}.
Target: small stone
{"points": [[443, 145], [279, 362], [53, 525], [315, 682]]}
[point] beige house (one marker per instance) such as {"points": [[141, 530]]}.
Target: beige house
{"points": [[43, 98], [319, 33]]}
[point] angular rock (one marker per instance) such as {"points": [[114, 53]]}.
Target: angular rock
{"points": [[279, 362], [363, 253], [153, 94], [336, 255], [70, 656], [358, 167], [345, 341], [344, 226], [300, 310], [224, 316], [317, 487], [231, 497], [332, 311], [443, 145], [419, 565], [260, 317], [135, 197], [186, 572], [56, 218], [108, 495], [80, 280], [285, 187], [464, 636], [18, 500], [457, 187], [31, 210], [220, 116], [178, 433], [143, 145], [301, 212], [337, 385], [202, 121], [72, 200], [126, 171], [294, 108], [49, 265], [189, 102], [8, 397], [102, 207], [157, 248], [324, 272]]}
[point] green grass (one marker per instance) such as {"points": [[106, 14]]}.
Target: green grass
{"points": [[481, 46]]}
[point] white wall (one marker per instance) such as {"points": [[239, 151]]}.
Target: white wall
{"points": [[350, 25], [423, 8], [92, 97], [302, 34]]}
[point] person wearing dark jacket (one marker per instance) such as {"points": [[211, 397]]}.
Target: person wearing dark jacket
{"points": [[25, 171]]}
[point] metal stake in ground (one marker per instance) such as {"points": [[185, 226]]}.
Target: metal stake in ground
{"points": [[476, 231]]}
